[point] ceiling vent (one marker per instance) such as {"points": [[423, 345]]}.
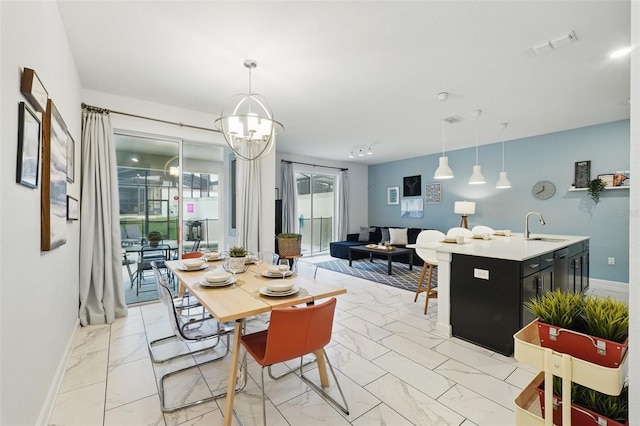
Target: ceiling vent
{"points": [[453, 119], [554, 43]]}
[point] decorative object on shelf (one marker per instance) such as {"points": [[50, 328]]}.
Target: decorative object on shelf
{"points": [[393, 195], [72, 208], [582, 174], [593, 329], [503, 181], [477, 178], [433, 193], [412, 186], [543, 190], [33, 89], [71, 152], [464, 208], [28, 147], [595, 188], [289, 244], [443, 171], [54, 180], [411, 208], [622, 178], [154, 237], [247, 123]]}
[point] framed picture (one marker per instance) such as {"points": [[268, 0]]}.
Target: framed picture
{"points": [[412, 186], [71, 165], [28, 147], [33, 89], [53, 204], [72, 208], [582, 174], [607, 178], [393, 195], [433, 193], [622, 178], [411, 208]]}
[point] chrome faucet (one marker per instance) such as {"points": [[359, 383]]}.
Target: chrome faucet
{"points": [[526, 223]]}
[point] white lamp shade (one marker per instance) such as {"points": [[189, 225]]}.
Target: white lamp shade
{"points": [[443, 171], [477, 177], [503, 181], [464, 207]]}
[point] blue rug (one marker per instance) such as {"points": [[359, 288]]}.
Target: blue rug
{"points": [[377, 271]]}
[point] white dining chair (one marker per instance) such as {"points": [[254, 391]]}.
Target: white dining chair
{"points": [[481, 229], [428, 256], [457, 231]]}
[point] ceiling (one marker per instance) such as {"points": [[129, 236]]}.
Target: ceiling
{"points": [[343, 74]]}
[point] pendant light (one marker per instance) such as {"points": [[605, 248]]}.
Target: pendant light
{"points": [[443, 171], [503, 181], [477, 178]]}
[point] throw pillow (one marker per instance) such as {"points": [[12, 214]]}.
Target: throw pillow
{"points": [[364, 233], [385, 234], [398, 236]]}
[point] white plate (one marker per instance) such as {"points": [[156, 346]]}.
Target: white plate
{"points": [[212, 258], [266, 292], [199, 268], [222, 284], [217, 276], [269, 274]]}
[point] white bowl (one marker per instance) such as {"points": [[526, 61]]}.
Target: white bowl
{"points": [[214, 255], [217, 276], [273, 269], [280, 286], [193, 263]]}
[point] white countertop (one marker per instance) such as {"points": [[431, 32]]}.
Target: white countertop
{"points": [[514, 247]]}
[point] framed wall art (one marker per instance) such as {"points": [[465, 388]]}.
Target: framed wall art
{"points": [[411, 208], [28, 164], [582, 174], [433, 193], [72, 208], [412, 186], [33, 89], [393, 195], [53, 206], [71, 164]]}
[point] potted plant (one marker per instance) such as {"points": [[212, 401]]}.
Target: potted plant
{"points": [[237, 251], [595, 187], [154, 238], [592, 329], [289, 244], [236, 262]]}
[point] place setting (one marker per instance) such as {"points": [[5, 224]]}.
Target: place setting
{"points": [[190, 265], [217, 279], [281, 287]]}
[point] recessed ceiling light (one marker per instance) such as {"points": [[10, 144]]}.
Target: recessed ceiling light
{"points": [[134, 159], [620, 52]]}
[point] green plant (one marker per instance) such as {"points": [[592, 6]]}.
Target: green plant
{"points": [[595, 187], [154, 236], [558, 308], [237, 251], [288, 235], [606, 318]]}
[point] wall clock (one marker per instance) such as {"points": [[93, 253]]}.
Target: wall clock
{"points": [[543, 190]]}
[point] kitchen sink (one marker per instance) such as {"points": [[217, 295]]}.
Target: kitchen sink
{"points": [[547, 239]]}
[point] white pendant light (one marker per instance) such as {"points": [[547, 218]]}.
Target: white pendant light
{"points": [[443, 171], [477, 178], [503, 181]]}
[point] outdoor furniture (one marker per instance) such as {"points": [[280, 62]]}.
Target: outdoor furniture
{"points": [[378, 252]]}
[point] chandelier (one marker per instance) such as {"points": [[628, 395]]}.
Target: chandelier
{"points": [[247, 123]]}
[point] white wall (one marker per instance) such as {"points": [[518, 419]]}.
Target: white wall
{"points": [[358, 184], [38, 290]]}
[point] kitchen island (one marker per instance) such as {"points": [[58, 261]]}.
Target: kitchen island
{"points": [[482, 284]]}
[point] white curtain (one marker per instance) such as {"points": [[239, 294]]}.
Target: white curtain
{"points": [[101, 291], [342, 225], [289, 199], [249, 203]]}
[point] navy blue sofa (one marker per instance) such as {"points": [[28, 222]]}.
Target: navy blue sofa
{"points": [[340, 249]]}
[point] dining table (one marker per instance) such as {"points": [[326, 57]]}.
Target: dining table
{"points": [[245, 298]]}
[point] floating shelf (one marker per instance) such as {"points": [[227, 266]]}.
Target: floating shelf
{"points": [[606, 188]]}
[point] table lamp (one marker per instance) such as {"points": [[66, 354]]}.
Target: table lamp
{"points": [[464, 208]]}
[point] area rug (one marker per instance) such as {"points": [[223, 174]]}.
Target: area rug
{"points": [[401, 276]]}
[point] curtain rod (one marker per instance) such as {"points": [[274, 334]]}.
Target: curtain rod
{"points": [[107, 111], [314, 165]]}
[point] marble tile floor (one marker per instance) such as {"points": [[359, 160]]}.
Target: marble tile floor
{"points": [[393, 369]]}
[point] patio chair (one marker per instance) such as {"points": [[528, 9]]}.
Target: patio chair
{"points": [[133, 233], [147, 255]]}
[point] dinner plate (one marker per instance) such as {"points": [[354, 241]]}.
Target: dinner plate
{"points": [[266, 292], [230, 281], [269, 274], [200, 268]]}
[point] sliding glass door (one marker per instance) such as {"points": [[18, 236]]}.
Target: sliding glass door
{"points": [[315, 209]]}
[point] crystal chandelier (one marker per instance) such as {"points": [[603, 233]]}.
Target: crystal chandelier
{"points": [[247, 123]]}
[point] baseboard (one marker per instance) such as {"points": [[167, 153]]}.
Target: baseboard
{"points": [[609, 285], [49, 403]]}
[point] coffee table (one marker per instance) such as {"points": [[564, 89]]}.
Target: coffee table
{"points": [[390, 254]]}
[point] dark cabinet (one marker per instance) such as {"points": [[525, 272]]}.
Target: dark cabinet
{"points": [[536, 279], [572, 268]]}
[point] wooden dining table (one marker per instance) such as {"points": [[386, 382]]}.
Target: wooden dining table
{"points": [[243, 299]]}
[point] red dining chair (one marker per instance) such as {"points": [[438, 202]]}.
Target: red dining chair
{"points": [[191, 255], [293, 333]]}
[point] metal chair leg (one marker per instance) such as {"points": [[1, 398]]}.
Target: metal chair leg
{"points": [[291, 370], [156, 342], [322, 392]]}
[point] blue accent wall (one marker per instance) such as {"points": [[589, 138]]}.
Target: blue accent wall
{"points": [[545, 157]]}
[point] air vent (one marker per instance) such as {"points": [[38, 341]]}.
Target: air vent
{"points": [[453, 119]]}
